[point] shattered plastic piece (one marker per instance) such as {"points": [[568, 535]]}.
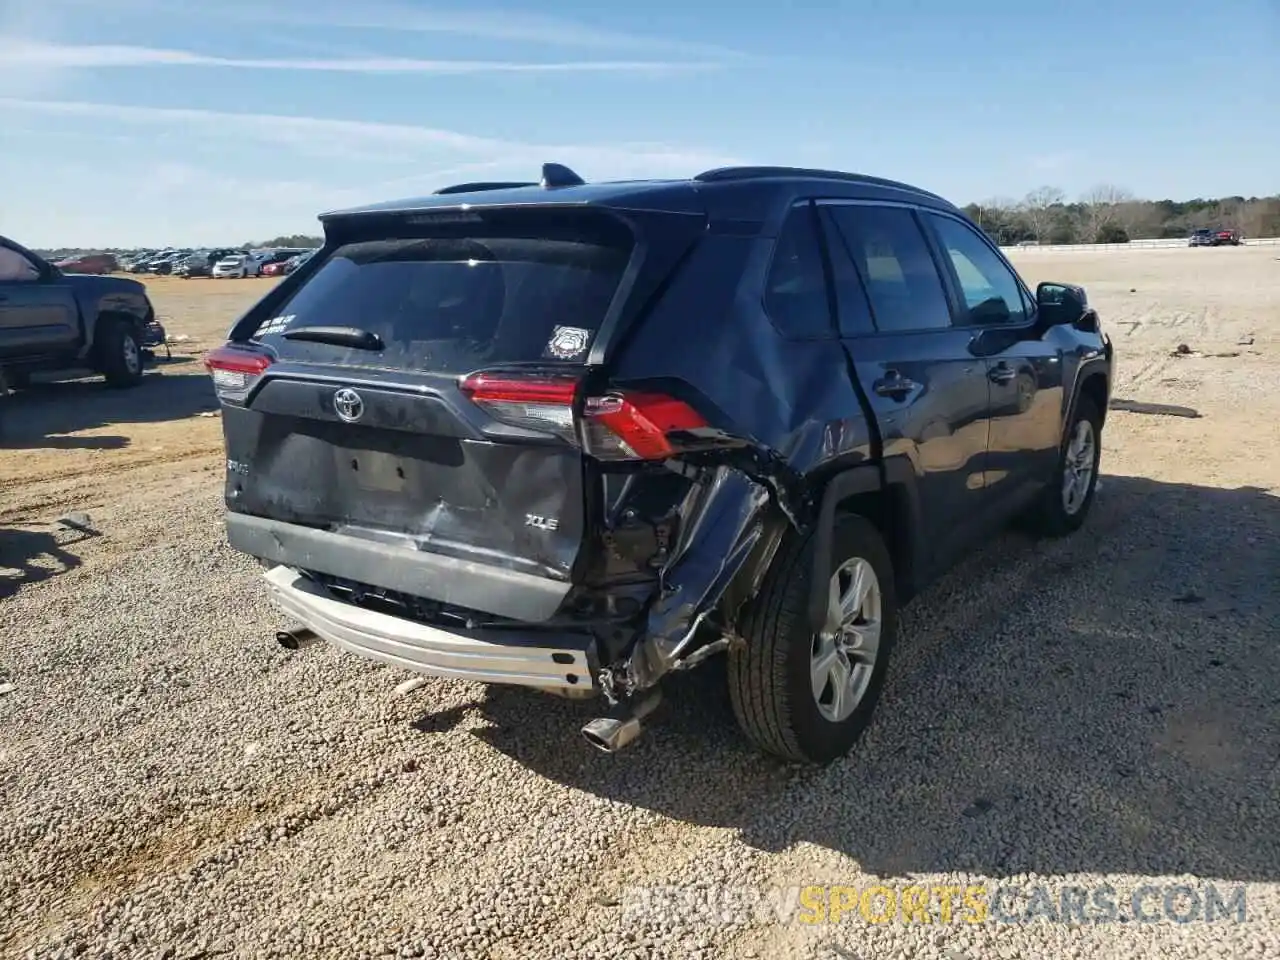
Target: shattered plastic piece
{"points": [[410, 685], [6, 688]]}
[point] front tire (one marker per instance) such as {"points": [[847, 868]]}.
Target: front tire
{"points": [[1066, 500], [119, 353], [805, 697]]}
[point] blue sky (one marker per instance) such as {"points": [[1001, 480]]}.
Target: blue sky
{"points": [[149, 122]]}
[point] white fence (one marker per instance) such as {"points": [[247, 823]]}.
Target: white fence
{"points": [[1133, 245]]}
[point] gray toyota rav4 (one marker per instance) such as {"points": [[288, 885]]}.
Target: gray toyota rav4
{"points": [[578, 436]]}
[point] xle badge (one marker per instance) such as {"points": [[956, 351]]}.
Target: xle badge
{"points": [[541, 523]]}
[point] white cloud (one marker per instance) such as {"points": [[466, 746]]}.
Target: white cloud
{"points": [[317, 133], [314, 164], [497, 25], [22, 54], [501, 25]]}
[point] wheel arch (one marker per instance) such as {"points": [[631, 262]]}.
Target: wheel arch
{"points": [[109, 315], [885, 494], [1094, 386]]}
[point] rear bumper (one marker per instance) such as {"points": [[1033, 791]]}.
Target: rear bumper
{"points": [[474, 586], [500, 657]]}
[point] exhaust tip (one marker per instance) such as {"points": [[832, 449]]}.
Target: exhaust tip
{"points": [[611, 734], [295, 639]]}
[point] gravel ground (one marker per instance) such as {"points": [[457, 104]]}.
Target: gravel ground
{"points": [[1101, 710]]}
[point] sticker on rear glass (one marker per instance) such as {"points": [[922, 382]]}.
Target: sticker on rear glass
{"points": [[567, 343], [276, 324]]}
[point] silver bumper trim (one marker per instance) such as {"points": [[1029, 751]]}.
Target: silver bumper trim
{"points": [[502, 657]]}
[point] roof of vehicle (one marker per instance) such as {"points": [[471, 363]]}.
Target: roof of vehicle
{"points": [[751, 188]]}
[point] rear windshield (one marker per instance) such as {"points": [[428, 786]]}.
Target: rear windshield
{"points": [[452, 305]]}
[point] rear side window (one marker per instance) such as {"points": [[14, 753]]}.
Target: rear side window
{"points": [[893, 258], [452, 305], [795, 294]]}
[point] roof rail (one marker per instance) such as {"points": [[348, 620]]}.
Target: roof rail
{"points": [[727, 174], [480, 185]]}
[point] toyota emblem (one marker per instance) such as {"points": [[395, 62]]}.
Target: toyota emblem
{"points": [[348, 405]]}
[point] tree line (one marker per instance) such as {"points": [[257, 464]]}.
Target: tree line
{"points": [[1111, 214], [293, 240]]}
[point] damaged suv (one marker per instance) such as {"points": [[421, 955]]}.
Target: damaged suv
{"points": [[578, 436]]}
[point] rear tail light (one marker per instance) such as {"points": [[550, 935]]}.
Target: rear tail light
{"points": [[234, 371], [636, 425], [621, 425], [544, 404]]}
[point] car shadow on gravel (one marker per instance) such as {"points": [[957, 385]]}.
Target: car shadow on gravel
{"points": [[31, 556], [39, 416], [1106, 703]]}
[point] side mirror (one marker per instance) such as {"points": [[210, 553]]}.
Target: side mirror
{"points": [[1061, 303]]}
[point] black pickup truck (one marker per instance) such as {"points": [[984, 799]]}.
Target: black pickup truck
{"points": [[52, 321]]}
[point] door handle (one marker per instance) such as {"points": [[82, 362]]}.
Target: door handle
{"points": [[1001, 373], [893, 384]]}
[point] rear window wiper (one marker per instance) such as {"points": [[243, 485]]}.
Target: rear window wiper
{"points": [[337, 336]]}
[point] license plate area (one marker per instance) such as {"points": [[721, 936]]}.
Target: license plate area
{"points": [[373, 471]]}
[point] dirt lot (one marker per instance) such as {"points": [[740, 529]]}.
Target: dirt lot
{"points": [[1099, 710]]}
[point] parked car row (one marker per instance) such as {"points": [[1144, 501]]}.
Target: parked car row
{"points": [[159, 262], [202, 262], [258, 263], [218, 263]]}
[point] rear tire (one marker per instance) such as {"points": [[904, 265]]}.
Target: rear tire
{"points": [[119, 350], [1064, 506], [774, 682]]}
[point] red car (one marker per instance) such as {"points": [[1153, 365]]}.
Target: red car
{"points": [[1227, 238], [89, 263], [274, 269]]}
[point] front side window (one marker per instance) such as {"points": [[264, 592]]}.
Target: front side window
{"points": [[992, 294]]}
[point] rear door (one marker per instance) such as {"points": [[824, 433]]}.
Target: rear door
{"points": [[382, 442], [929, 393], [38, 313]]}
